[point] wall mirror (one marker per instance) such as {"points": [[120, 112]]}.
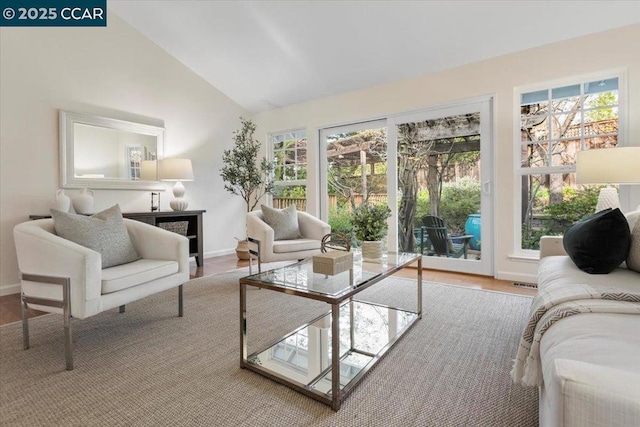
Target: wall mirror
{"points": [[104, 153]]}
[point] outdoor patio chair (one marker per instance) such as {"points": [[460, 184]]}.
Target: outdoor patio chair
{"points": [[442, 244]]}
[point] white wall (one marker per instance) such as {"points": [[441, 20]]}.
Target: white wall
{"points": [[114, 72], [499, 76]]}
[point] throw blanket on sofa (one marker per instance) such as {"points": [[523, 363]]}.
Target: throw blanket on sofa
{"points": [[554, 303]]}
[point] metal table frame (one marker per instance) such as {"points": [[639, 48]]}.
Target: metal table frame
{"points": [[337, 395]]}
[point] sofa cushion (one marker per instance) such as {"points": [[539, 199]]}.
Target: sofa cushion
{"points": [[554, 270], [599, 243], [102, 232], [296, 245], [135, 273], [283, 221], [633, 259]]}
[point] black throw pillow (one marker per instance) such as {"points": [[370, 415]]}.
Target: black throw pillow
{"points": [[599, 243]]}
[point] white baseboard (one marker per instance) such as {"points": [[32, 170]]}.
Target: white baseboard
{"points": [[9, 289], [516, 277], [221, 252]]}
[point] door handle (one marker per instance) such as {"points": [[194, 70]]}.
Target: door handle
{"points": [[486, 187]]}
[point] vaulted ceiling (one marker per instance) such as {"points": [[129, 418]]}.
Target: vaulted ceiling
{"points": [[267, 54]]}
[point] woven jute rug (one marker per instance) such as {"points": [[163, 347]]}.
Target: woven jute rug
{"points": [[149, 367]]}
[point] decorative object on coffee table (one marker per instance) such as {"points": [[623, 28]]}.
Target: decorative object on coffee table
{"points": [[177, 170], [370, 227], [335, 241], [332, 262]]}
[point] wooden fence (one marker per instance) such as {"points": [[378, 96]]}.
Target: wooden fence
{"points": [[301, 204]]}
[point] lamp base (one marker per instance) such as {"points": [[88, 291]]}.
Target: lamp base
{"points": [[608, 198], [179, 204]]}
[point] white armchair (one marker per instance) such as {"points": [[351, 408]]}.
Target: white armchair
{"points": [[263, 246], [60, 276]]}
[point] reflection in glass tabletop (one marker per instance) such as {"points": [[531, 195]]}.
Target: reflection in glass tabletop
{"points": [[305, 356], [300, 276]]}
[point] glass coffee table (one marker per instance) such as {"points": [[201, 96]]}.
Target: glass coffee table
{"points": [[326, 357]]}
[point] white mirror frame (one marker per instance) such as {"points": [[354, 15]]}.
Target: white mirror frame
{"points": [[67, 176]]}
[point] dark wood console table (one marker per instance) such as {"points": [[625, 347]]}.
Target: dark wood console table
{"points": [[194, 228]]}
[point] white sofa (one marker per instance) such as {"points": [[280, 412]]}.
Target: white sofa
{"points": [[51, 267], [590, 361]]}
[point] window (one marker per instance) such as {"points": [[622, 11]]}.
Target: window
{"points": [[289, 153], [555, 123]]}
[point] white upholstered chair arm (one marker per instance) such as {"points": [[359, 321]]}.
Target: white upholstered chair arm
{"points": [[155, 243], [260, 230], [43, 253], [311, 227], [550, 246]]}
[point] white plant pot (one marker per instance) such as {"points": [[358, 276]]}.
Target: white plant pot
{"points": [[372, 250]]}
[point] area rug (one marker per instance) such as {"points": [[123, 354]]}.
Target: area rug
{"points": [[148, 367]]}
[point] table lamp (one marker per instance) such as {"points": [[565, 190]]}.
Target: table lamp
{"points": [[149, 170], [177, 170], [620, 165]]}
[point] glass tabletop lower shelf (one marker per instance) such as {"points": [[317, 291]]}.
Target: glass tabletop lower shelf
{"points": [[303, 358]]}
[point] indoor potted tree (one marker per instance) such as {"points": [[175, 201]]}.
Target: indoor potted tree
{"points": [[244, 175], [370, 227]]}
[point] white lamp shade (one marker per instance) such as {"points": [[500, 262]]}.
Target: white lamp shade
{"points": [[619, 165], [176, 170], [149, 170]]}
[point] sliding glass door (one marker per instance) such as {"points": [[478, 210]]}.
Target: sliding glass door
{"points": [[443, 182], [353, 170], [433, 168]]}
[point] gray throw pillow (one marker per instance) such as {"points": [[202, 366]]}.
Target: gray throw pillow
{"points": [[103, 232], [283, 221], [633, 259]]}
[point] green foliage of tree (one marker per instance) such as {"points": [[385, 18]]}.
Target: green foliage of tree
{"points": [[603, 99], [242, 173], [370, 221]]}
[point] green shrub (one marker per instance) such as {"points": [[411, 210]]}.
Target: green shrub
{"points": [[340, 220], [575, 205], [459, 200]]}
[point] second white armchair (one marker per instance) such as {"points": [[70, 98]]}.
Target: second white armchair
{"points": [[262, 242]]}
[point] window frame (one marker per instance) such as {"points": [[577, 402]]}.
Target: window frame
{"points": [[517, 143], [271, 157]]}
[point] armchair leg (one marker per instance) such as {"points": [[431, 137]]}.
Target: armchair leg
{"points": [[122, 308], [68, 339], [65, 304], [180, 302], [25, 325]]}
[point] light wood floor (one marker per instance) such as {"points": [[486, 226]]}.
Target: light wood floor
{"points": [[10, 310]]}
